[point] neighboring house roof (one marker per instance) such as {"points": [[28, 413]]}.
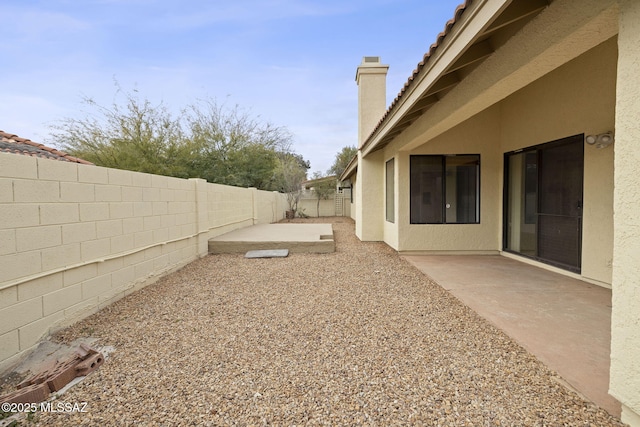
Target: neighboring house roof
{"points": [[324, 178], [10, 143], [309, 183]]}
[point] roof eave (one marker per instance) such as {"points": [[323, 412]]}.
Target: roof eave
{"points": [[466, 42], [350, 170]]}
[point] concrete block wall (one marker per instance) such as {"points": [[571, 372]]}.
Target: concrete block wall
{"points": [[268, 207], [75, 238], [309, 206], [229, 208]]}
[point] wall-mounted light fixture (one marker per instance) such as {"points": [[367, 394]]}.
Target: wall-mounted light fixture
{"points": [[600, 141]]}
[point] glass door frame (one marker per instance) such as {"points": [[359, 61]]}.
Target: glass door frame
{"points": [[506, 232]]}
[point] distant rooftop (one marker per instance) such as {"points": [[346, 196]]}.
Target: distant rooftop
{"points": [[10, 143]]}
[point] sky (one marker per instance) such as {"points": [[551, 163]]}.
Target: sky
{"points": [[290, 63]]}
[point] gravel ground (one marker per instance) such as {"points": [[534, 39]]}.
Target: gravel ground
{"points": [[357, 337]]}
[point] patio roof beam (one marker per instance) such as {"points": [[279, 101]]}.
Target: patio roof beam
{"points": [[475, 53], [516, 11], [443, 83], [425, 102]]}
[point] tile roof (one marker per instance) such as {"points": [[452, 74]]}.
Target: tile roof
{"points": [[513, 17], [324, 178], [447, 29], [10, 143], [434, 46]]}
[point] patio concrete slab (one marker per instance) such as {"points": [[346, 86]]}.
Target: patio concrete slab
{"points": [[564, 322], [297, 238]]}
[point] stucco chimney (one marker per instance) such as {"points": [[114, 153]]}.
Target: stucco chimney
{"points": [[372, 95]]}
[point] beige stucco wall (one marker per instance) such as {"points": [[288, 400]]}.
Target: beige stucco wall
{"points": [[372, 93], [558, 34], [558, 105], [370, 197], [371, 78], [353, 206], [308, 204], [625, 319], [475, 136], [346, 204], [577, 98], [310, 207], [74, 238]]}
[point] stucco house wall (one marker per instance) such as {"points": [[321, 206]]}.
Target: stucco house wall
{"points": [[577, 98], [74, 238], [571, 70], [475, 136], [558, 105], [625, 318], [369, 196], [353, 201]]}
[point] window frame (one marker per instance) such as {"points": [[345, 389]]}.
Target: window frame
{"points": [[389, 190], [443, 189]]}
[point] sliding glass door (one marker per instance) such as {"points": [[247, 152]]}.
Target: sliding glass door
{"points": [[543, 202]]}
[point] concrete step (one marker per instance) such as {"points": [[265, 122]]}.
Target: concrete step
{"points": [[297, 238]]}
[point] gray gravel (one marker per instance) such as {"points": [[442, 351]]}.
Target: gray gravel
{"points": [[358, 337]]}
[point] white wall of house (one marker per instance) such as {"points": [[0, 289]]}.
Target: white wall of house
{"points": [[74, 238]]}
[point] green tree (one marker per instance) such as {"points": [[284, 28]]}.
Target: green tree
{"points": [[342, 160], [206, 140], [252, 166], [137, 136], [234, 148], [323, 188], [290, 174]]}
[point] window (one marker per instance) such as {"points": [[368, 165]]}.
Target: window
{"points": [[389, 191], [353, 191], [445, 189]]}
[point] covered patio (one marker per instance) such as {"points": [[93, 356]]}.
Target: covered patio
{"points": [[564, 322]]}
